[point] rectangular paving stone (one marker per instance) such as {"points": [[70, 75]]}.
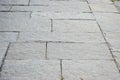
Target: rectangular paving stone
{"points": [[103, 7], [8, 36], [90, 70], [99, 1], [57, 36], [14, 2], [21, 21], [114, 40], [53, 8], [5, 8], [65, 15], [75, 26], [109, 22], [55, 2], [117, 57], [3, 48], [31, 70], [77, 51], [26, 51]]}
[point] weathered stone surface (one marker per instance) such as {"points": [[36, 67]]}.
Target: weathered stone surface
{"points": [[90, 70], [21, 21], [31, 69], [78, 51], [103, 7], [117, 57], [55, 2], [75, 26], [8, 36], [26, 51], [4, 8], [65, 37], [14, 2], [109, 22], [53, 8], [99, 1], [114, 40], [3, 48], [65, 15]]}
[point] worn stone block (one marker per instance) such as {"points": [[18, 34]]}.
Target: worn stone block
{"points": [[90, 70], [57, 36], [26, 51], [75, 26], [77, 51], [4, 8], [8, 36], [109, 22], [103, 7], [99, 1], [31, 69]]}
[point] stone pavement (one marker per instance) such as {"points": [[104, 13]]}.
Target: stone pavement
{"points": [[59, 40]]}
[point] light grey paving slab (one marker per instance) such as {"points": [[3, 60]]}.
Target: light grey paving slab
{"points": [[65, 15], [65, 37], [31, 69], [26, 51], [77, 51], [114, 40], [4, 8], [109, 22], [8, 36], [54, 2], [117, 57], [99, 1], [90, 70], [21, 21], [54, 8], [14, 2], [103, 7], [3, 48], [75, 26]]}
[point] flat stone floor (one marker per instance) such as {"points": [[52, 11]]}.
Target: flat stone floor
{"points": [[59, 40]]}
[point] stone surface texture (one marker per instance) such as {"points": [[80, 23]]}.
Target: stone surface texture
{"points": [[59, 40]]}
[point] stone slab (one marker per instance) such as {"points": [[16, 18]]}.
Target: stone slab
{"points": [[26, 51], [53, 8], [3, 48], [14, 2], [90, 70], [109, 22], [31, 69], [57, 36], [8, 36], [117, 57], [21, 21], [65, 15], [103, 8], [75, 26], [77, 51], [100, 1], [5, 8], [114, 40]]}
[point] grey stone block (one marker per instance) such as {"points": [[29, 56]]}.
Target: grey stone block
{"points": [[3, 48], [103, 8], [26, 51], [57, 36], [75, 26], [21, 21], [65, 15], [100, 1], [8, 36], [31, 69], [4, 8], [77, 51], [90, 70], [14, 2], [109, 22]]}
